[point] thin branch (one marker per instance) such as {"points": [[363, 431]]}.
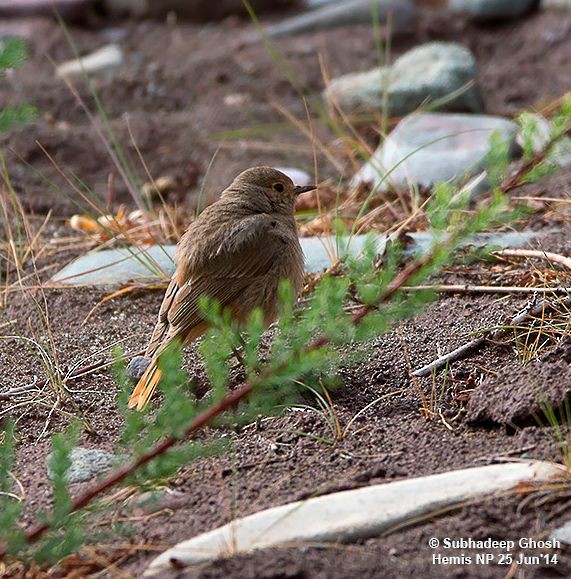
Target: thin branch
{"points": [[488, 289], [539, 254]]}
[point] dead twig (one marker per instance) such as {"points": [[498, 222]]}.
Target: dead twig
{"points": [[534, 253], [488, 289], [488, 334]]}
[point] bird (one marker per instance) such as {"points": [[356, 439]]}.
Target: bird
{"points": [[236, 253]]}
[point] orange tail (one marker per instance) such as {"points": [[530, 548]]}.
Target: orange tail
{"points": [[145, 386]]}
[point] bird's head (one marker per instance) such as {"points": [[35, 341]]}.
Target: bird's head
{"points": [[268, 187]]}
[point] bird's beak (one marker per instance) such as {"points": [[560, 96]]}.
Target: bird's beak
{"points": [[298, 189]]}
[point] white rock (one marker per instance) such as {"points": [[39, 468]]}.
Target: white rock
{"points": [[351, 515], [106, 60], [557, 4], [298, 176], [425, 149]]}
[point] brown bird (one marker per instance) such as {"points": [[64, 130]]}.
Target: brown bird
{"points": [[236, 253]]}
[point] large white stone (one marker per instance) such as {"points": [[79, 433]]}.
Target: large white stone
{"points": [[429, 148], [351, 515], [106, 60]]}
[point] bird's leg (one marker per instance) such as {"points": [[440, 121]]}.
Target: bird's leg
{"points": [[237, 350]]}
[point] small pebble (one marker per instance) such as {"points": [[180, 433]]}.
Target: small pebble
{"points": [[137, 367]]}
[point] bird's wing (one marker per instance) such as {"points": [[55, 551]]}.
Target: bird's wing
{"points": [[238, 258]]}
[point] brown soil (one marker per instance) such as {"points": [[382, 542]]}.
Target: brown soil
{"points": [[174, 91]]}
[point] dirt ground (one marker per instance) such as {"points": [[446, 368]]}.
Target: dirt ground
{"points": [[175, 91]]}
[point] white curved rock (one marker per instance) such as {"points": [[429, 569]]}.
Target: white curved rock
{"points": [[350, 515], [106, 60]]}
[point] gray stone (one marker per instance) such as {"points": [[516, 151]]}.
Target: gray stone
{"points": [[425, 149], [313, 4], [106, 60], [116, 267], [422, 241], [562, 534], [432, 72], [492, 9], [86, 464], [136, 367], [345, 14], [352, 515]]}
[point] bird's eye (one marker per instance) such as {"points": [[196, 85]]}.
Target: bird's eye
{"points": [[279, 187]]}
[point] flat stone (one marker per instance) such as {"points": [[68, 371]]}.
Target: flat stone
{"points": [[424, 75], [119, 267], [422, 240], [86, 464], [429, 148], [351, 515], [492, 9], [313, 4], [113, 267], [351, 12], [106, 60]]}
